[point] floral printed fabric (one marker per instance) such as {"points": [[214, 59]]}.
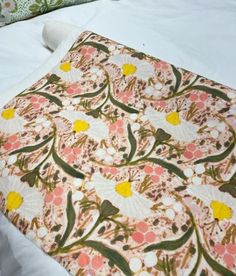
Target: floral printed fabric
{"points": [[12, 10], [117, 163]]}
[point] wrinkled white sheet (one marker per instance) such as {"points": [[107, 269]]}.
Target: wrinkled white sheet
{"points": [[19, 257], [197, 35]]}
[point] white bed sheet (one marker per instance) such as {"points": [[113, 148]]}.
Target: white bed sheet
{"points": [[197, 35], [20, 257]]}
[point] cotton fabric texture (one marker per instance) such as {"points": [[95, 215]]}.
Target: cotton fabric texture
{"points": [[118, 163]]}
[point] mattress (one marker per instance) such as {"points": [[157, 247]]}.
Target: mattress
{"points": [[197, 36]]}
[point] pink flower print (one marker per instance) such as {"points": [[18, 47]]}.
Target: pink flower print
{"points": [[191, 151], [143, 234], [219, 249], [231, 248], [228, 252], [74, 89], [12, 143], [71, 154], [87, 52], [155, 172], [54, 197], [37, 102], [125, 96], [97, 262], [199, 99], [229, 260], [161, 65], [83, 259], [117, 127], [160, 104], [110, 170], [92, 263]]}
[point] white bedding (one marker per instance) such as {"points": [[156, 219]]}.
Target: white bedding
{"points": [[197, 35]]}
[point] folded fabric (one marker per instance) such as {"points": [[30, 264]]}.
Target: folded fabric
{"points": [[12, 10], [54, 32], [118, 163], [16, 251]]}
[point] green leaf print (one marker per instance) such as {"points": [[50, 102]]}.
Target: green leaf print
{"points": [[228, 188], [53, 78], [215, 265], [178, 77], [32, 148], [169, 166], [107, 209], [50, 98], [172, 244], [34, 8], [133, 143], [161, 135], [218, 157], [111, 254], [98, 46], [123, 106], [31, 178], [66, 168], [212, 91], [92, 94], [70, 213]]}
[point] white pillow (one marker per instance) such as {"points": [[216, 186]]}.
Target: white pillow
{"points": [[54, 32]]}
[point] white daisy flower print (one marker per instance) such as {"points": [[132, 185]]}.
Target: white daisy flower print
{"points": [[10, 121], [172, 123], [123, 196], [67, 72], [20, 198], [222, 205], [82, 123], [133, 66], [8, 6]]}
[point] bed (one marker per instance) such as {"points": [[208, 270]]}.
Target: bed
{"points": [[198, 36]]}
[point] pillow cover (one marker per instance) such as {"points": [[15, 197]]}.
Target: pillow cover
{"points": [[118, 163], [13, 10]]}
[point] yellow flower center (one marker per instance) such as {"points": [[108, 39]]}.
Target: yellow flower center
{"points": [[80, 126], [8, 113], [220, 210], [14, 201], [173, 118], [124, 189], [65, 67], [128, 69]]}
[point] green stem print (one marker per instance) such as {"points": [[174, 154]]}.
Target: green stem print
{"points": [[53, 79], [171, 245], [33, 176], [106, 89], [178, 90], [98, 46], [107, 212], [228, 186], [161, 138]]}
